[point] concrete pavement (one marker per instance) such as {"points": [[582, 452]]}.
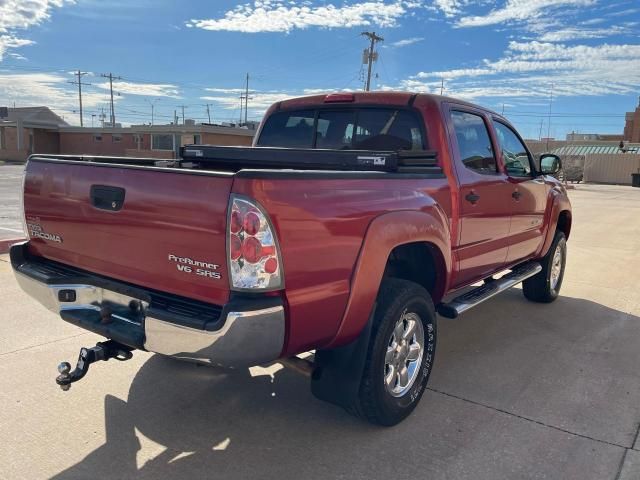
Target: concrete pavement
{"points": [[10, 222], [519, 390]]}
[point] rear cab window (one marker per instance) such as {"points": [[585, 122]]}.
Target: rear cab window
{"points": [[474, 142], [362, 128]]}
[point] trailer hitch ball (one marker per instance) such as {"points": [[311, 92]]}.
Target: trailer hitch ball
{"points": [[63, 369], [101, 352]]}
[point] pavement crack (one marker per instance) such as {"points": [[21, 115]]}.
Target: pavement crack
{"points": [[538, 422], [621, 466]]}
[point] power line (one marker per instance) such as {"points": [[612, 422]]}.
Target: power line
{"points": [[80, 74]]}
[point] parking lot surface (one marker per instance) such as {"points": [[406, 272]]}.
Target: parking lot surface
{"points": [[519, 390], [10, 184]]}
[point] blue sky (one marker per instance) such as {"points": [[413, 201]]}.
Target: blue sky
{"points": [[505, 54]]}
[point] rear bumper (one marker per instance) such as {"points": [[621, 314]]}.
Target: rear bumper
{"points": [[245, 332]]}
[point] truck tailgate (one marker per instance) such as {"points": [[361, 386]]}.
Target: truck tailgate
{"points": [[167, 233]]}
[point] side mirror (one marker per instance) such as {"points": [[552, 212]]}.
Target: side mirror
{"points": [[550, 164]]}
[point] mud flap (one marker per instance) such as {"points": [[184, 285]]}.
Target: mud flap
{"points": [[338, 371]]}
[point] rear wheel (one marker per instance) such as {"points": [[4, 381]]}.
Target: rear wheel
{"points": [[544, 287], [400, 354]]}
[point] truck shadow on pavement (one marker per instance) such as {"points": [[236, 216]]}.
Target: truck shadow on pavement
{"points": [[196, 422]]}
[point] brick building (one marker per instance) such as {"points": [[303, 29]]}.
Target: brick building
{"points": [[632, 125], [27, 130], [157, 141], [38, 130]]}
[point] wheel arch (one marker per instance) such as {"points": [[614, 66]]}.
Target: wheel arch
{"points": [[560, 218], [419, 262], [393, 239], [564, 223]]}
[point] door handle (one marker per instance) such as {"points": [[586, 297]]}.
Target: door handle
{"points": [[472, 197], [516, 195]]}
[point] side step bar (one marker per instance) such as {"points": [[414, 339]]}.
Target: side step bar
{"points": [[490, 288]]}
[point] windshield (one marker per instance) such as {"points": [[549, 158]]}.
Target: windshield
{"points": [[345, 128]]}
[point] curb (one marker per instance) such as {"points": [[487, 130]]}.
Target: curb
{"points": [[5, 244]]}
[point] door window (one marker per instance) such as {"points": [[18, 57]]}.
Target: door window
{"points": [[515, 156], [474, 143]]}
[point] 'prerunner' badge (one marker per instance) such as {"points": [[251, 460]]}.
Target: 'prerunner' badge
{"points": [[195, 267]]}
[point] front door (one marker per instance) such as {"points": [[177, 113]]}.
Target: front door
{"points": [[528, 195], [484, 198]]}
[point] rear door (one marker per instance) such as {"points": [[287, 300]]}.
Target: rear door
{"points": [[484, 206], [163, 229], [528, 196]]}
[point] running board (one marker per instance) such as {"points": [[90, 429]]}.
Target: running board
{"points": [[490, 288]]}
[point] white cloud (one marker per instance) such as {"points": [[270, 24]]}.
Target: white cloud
{"points": [[285, 16], [20, 15], [9, 41], [406, 41], [449, 7], [259, 101], [54, 91], [46, 89], [519, 11], [145, 89], [527, 69], [578, 33]]}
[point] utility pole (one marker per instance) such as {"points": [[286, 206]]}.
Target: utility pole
{"points": [[246, 99], [441, 85], [208, 113], [245, 96], [371, 55], [182, 107], [80, 74], [549, 118], [111, 79], [540, 133], [153, 104]]}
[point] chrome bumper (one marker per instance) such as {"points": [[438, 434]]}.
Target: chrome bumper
{"points": [[246, 336]]}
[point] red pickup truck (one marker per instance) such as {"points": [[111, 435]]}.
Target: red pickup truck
{"points": [[353, 219]]}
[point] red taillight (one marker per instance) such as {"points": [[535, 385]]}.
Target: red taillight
{"points": [[251, 223], [252, 250], [339, 97], [235, 247], [235, 225], [271, 265], [254, 259]]}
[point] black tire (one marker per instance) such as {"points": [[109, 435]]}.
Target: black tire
{"points": [[396, 299], [539, 288]]}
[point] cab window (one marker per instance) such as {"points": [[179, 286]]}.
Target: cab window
{"points": [[514, 154], [344, 128], [474, 143]]}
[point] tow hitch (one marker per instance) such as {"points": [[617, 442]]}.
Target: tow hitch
{"points": [[102, 351]]}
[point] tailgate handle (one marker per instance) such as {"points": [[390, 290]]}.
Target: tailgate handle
{"points": [[105, 197]]}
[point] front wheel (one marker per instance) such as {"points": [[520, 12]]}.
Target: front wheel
{"points": [[544, 287], [400, 354]]}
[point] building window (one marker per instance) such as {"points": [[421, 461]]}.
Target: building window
{"points": [[161, 142], [116, 137], [197, 139], [3, 144], [97, 137]]}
